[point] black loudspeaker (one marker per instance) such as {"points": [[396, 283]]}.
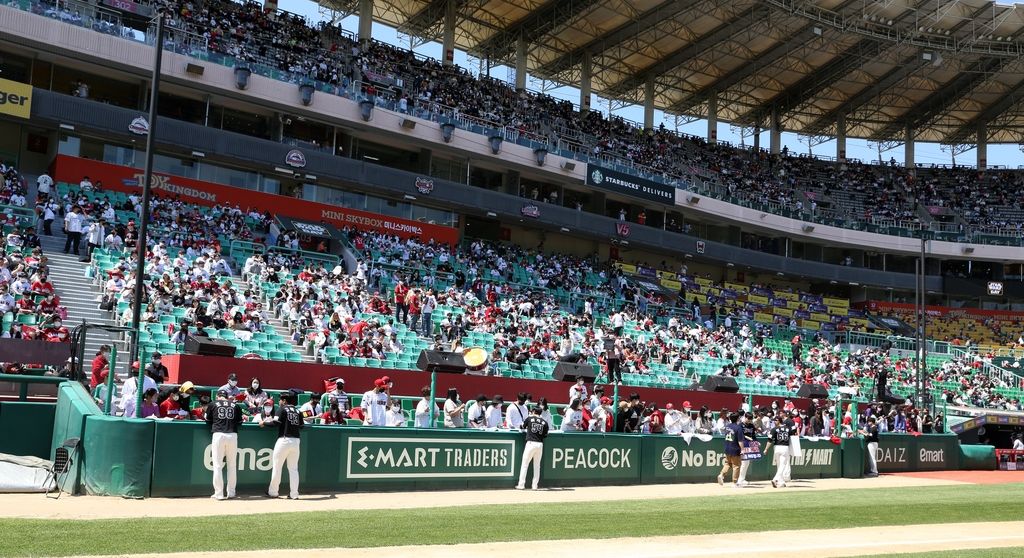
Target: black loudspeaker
{"points": [[812, 391], [721, 384], [569, 371], [452, 363], [208, 346]]}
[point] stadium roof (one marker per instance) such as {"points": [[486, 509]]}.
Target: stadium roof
{"points": [[940, 67]]}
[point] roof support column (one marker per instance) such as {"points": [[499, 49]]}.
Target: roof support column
{"points": [[757, 139], [365, 20], [982, 145], [649, 102], [908, 148], [775, 132], [585, 81], [841, 137], [713, 117], [520, 63], [448, 38]]}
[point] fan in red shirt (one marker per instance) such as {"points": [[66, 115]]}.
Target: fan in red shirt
{"points": [[50, 304], [26, 305], [170, 407], [42, 286], [98, 364]]}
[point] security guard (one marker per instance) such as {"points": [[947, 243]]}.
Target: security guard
{"points": [[289, 423], [224, 416], [779, 436]]}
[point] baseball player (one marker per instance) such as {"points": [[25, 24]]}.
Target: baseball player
{"points": [[289, 423], [224, 416], [871, 433], [779, 437], [536, 430]]}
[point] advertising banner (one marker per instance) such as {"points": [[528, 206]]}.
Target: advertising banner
{"points": [[580, 459], [909, 453], [671, 459], [15, 98], [370, 457], [622, 183], [127, 179], [944, 311]]}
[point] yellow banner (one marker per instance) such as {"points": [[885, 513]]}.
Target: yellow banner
{"points": [[809, 324], [787, 296], [793, 304], [700, 298], [859, 322], [838, 311], [626, 268], [763, 318], [704, 282], [671, 285], [783, 312], [667, 275], [756, 299], [836, 302], [736, 287], [821, 317], [15, 98]]}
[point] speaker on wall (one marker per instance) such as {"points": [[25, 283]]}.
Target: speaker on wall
{"points": [[208, 346], [721, 384], [452, 363], [812, 391], [569, 371]]}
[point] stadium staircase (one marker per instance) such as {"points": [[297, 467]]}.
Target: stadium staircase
{"points": [[78, 294]]}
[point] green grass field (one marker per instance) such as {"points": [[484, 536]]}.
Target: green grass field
{"points": [[493, 521]]}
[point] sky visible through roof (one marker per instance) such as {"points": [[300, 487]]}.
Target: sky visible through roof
{"points": [[924, 153]]}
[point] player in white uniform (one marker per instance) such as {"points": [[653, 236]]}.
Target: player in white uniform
{"points": [[375, 405]]}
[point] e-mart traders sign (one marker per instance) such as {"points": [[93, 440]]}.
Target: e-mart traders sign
{"points": [[434, 458], [127, 179]]}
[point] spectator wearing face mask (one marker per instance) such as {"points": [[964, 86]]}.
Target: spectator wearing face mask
{"points": [[232, 386], [333, 415], [266, 414], [425, 409], [99, 363], [254, 396], [171, 407], [394, 415], [311, 409], [156, 370]]}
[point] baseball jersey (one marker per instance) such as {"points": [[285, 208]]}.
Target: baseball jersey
{"points": [[376, 406], [289, 422], [779, 435], [223, 416], [536, 428]]}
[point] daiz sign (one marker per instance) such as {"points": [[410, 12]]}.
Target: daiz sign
{"points": [[15, 98], [436, 458], [622, 183]]}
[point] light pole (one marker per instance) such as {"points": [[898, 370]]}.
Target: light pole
{"points": [[140, 257]]}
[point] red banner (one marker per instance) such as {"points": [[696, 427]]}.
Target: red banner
{"points": [[127, 179], [942, 311]]}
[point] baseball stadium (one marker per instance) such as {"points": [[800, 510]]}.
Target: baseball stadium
{"points": [[386, 273]]}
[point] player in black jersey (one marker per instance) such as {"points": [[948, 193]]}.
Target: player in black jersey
{"points": [[779, 437], [224, 416], [289, 423], [536, 430]]}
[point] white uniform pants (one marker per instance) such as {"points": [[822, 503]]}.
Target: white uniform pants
{"points": [[873, 457], [533, 452], [782, 460], [286, 449], [225, 446], [743, 471]]}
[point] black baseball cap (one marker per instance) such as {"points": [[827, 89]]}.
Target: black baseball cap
{"points": [[481, 397], [222, 393]]}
